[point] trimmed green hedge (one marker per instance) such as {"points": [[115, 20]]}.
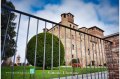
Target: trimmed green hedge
{"points": [[40, 50]]}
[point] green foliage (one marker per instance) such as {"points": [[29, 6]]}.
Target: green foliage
{"points": [[48, 50], [18, 70], [10, 42]]}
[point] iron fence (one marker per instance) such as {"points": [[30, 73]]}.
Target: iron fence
{"points": [[92, 50]]}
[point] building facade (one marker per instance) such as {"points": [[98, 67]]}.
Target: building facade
{"points": [[88, 49]]}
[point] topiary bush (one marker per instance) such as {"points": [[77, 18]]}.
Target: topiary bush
{"points": [[40, 50]]}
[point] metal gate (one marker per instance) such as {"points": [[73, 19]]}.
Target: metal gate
{"points": [[90, 52]]}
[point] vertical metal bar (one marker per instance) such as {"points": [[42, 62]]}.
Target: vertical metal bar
{"points": [[26, 48], [92, 49], [94, 56], [100, 57], [105, 56], [44, 51], [36, 47], [71, 52], [15, 47], [97, 57], [76, 50], [81, 52], [108, 58], [102, 61], [85, 56], [52, 52], [8, 22], [89, 56], [65, 51], [59, 52]]}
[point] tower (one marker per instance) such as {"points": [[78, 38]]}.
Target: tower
{"points": [[67, 17], [96, 31], [18, 59]]}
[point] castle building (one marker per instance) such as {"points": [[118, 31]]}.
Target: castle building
{"points": [[88, 49]]}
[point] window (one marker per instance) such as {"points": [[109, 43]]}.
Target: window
{"points": [[72, 46], [72, 56], [80, 34], [88, 51], [72, 36], [64, 15], [73, 27]]}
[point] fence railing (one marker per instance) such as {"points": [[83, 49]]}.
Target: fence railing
{"points": [[89, 50]]}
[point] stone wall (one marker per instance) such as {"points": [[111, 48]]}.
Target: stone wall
{"points": [[112, 54]]}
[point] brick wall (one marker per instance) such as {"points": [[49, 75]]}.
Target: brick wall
{"points": [[112, 54]]}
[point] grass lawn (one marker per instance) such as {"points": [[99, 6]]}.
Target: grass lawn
{"points": [[6, 72]]}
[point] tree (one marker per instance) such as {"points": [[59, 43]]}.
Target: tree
{"points": [[40, 50], [9, 49]]}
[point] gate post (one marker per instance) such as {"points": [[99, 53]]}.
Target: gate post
{"points": [[112, 61], [109, 60], [115, 56]]}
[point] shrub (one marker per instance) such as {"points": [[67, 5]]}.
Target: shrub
{"points": [[75, 60], [40, 50]]}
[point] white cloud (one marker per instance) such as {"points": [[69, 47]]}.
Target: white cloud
{"points": [[107, 12], [85, 15]]}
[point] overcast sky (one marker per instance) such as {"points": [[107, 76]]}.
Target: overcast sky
{"points": [[88, 13]]}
